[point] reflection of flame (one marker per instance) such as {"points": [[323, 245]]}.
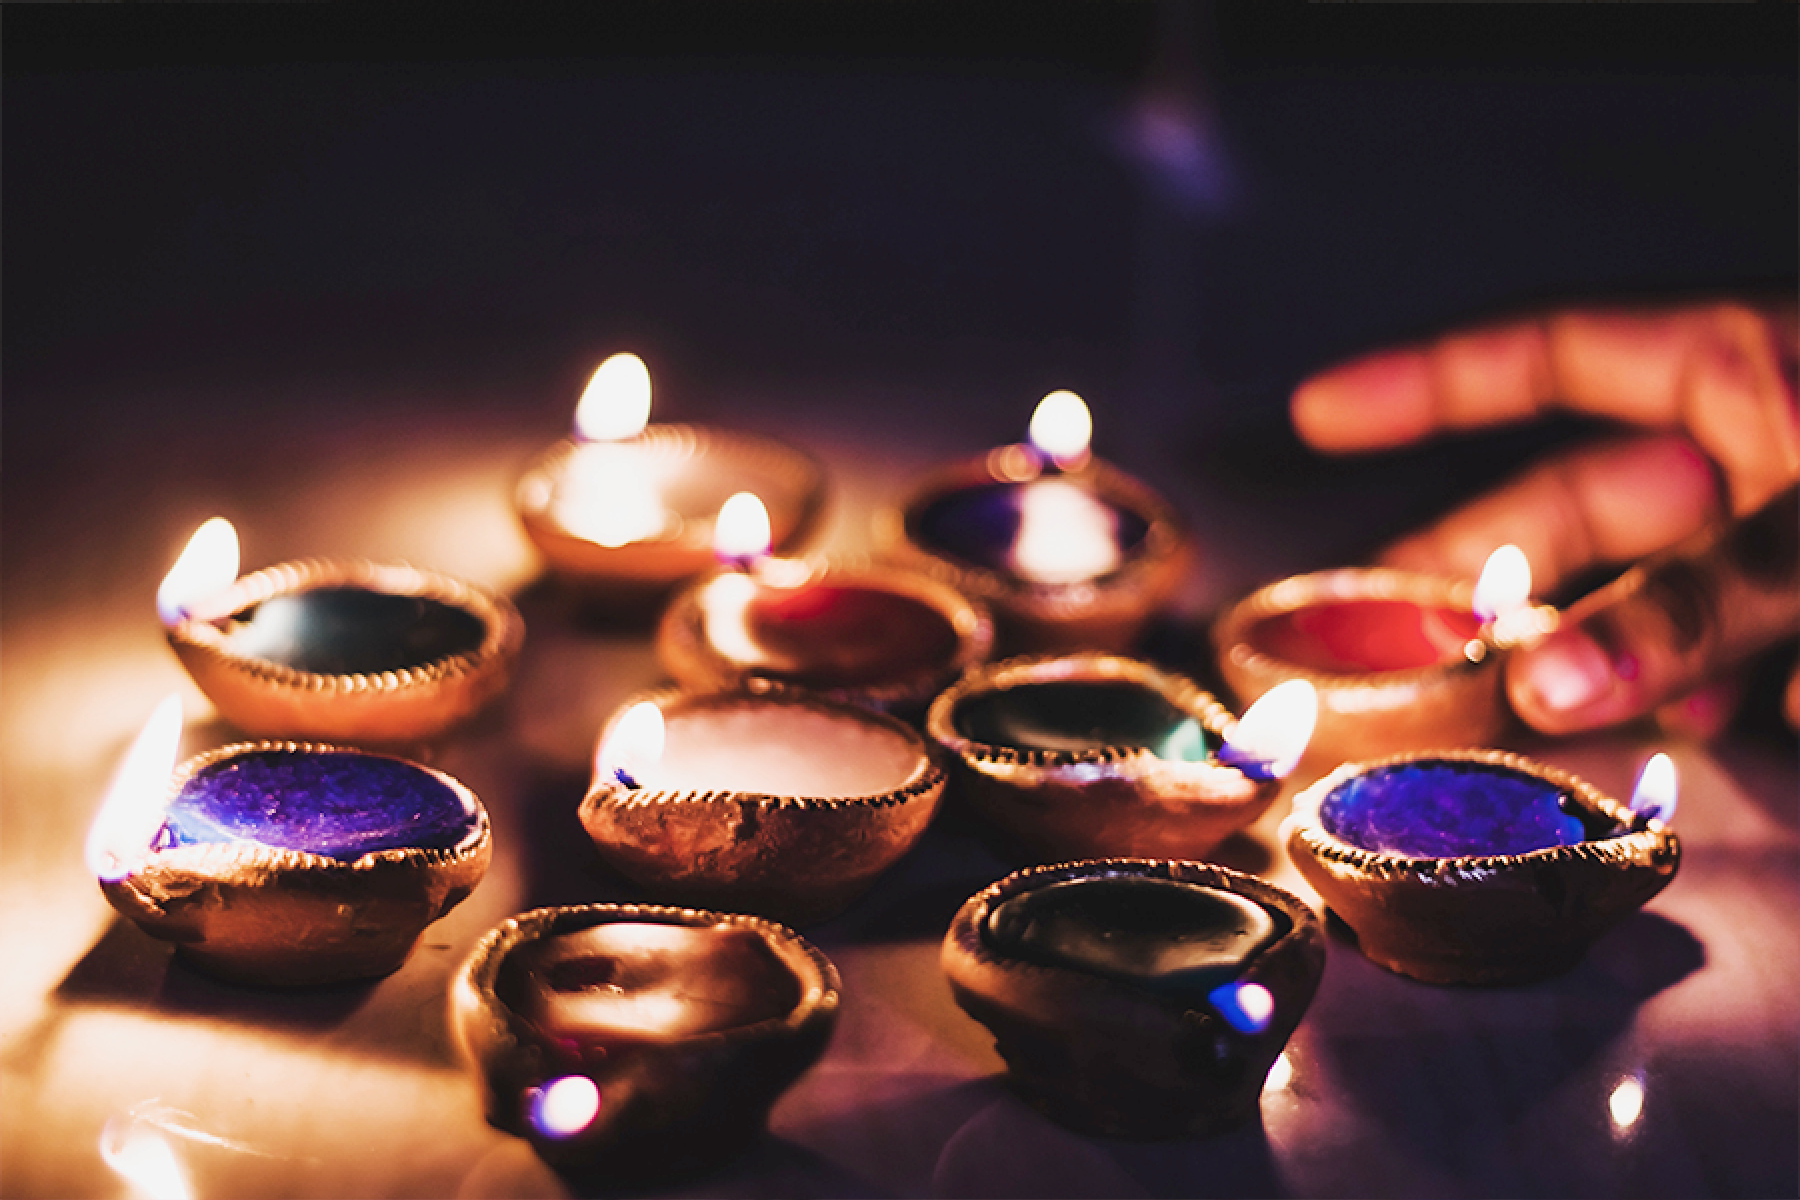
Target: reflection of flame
{"points": [[616, 402], [1505, 584], [1268, 742], [1062, 428], [1281, 1074], [206, 567], [1065, 534], [608, 496], [119, 839], [636, 743], [1626, 1104], [725, 609], [146, 1161], [1654, 796], [566, 1106], [1246, 1007], [742, 530]]}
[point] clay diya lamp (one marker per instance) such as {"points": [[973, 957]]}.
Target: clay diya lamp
{"points": [[1479, 866], [880, 636], [1136, 999], [1094, 755], [337, 650], [758, 799], [636, 1041], [1401, 661], [625, 509], [285, 863], [1068, 551]]}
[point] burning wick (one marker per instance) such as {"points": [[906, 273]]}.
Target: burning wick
{"points": [[741, 534], [635, 743], [1503, 604], [206, 566], [1653, 799], [1061, 429], [120, 838], [616, 402], [1246, 1007], [1268, 742], [564, 1107]]}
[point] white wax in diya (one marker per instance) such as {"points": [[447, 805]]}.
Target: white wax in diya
{"points": [[776, 750]]}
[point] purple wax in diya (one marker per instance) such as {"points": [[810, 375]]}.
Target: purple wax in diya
{"points": [[1476, 866]]}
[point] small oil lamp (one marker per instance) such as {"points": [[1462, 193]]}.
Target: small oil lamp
{"points": [[1401, 661], [629, 1041], [1479, 866], [1068, 551], [1095, 755], [284, 863], [1134, 998], [627, 507], [881, 636], [338, 650], [759, 799]]}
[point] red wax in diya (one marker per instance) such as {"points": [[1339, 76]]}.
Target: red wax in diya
{"points": [[1367, 635]]}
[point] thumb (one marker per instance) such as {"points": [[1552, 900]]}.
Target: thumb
{"points": [[1666, 626]]}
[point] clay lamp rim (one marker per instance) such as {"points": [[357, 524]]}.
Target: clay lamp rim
{"points": [[1231, 636], [926, 777], [1643, 841], [503, 629], [805, 481], [1086, 666], [682, 631], [967, 937], [1145, 567], [819, 984], [228, 861]]}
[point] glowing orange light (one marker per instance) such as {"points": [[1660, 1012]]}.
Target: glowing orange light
{"points": [[1274, 731], [1065, 534], [634, 746], [564, 1107], [145, 1160], [119, 839], [1061, 427], [206, 566], [742, 530], [1505, 584], [1626, 1103], [616, 402]]}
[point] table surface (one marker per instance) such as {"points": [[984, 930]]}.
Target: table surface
{"points": [[1389, 1087]]}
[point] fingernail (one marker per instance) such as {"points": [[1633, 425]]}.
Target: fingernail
{"points": [[1568, 671]]}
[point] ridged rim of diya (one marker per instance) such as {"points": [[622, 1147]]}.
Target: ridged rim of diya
{"points": [[410, 703], [302, 917], [1056, 805], [1113, 604], [1062, 1005], [695, 663], [513, 1056], [725, 859], [1443, 910], [793, 515]]}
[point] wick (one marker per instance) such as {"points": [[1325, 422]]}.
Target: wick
{"points": [[1259, 769], [624, 777]]}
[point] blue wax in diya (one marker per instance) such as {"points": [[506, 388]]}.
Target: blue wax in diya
{"points": [[980, 525], [336, 804], [1443, 809]]}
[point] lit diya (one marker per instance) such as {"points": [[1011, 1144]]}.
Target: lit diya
{"points": [[1478, 866], [1133, 998], [628, 507], [284, 863], [882, 636], [758, 799], [339, 650], [637, 1040], [1401, 661], [1095, 755], [1068, 551]]}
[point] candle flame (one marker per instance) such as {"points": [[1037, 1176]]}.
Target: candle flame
{"points": [[1272, 735], [564, 1107], [1626, 1103], [1246, 1007], [1065, 534], [119, 840], [1061, 427], [742, 530], [207, 566], [145, 1160], [634, 745], [1504, 587], [1655, 794], [616, 402]]}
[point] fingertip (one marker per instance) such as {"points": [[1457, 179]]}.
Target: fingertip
{"points": [[1565, 684], [1380, 400]]}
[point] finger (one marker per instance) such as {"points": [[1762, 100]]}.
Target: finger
{"points": [[1725, 373], [1702, 714], [1666, 626], [1791, 702], [1609, 503]]}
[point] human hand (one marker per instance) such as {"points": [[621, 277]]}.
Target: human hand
{"points": [[1700, 484]]}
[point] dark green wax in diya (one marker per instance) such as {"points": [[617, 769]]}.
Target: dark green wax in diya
{"points": [[1074, 715], [353, 631], [1166, 935]]}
